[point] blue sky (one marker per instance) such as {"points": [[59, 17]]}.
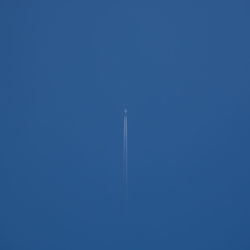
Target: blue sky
{"points": [[68, 70]]}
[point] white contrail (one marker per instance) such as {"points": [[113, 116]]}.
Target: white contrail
{"points": [[125, 153]]}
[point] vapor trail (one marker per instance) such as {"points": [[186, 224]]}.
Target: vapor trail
{"points": [[125, 153]]}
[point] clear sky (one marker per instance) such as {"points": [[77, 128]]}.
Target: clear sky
{"points": [[67, 71]]}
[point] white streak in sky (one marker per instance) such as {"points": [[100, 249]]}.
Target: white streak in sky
{"points": [[125, 153]]}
